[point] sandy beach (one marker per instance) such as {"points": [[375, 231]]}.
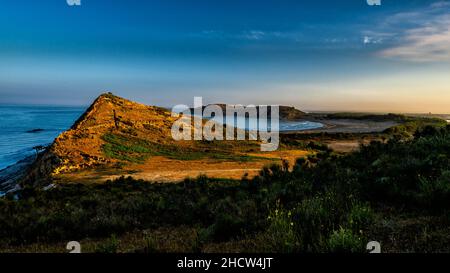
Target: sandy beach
{"points": [[349, 126]]}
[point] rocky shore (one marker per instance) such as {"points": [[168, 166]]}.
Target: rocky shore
{"points": [[9, 177]]}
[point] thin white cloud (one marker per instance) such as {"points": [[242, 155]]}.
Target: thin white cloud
{"points": [[428, 43], [427, 37], [440, 4], [372, 40], [245, 35], [254, 35]]}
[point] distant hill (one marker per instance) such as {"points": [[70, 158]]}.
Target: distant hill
{"points": [[287, 113], [291, 113]]}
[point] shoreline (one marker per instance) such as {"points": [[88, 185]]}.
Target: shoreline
{"points": [[347, 126], [9, 176]]}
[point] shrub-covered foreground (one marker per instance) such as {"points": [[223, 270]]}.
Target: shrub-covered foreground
{"points": [[397, 193]]}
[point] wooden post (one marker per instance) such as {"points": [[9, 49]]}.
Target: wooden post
{"points": [[116, 120]]}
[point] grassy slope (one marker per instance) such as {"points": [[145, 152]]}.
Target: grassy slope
{"points": [[133, 149]]}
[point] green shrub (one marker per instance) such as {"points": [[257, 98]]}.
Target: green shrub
{"points": [[280, 235], [317, 216], [150, 243], [345, 241], [435, 193], [312, 219], [109, 246], [360, 218], [225, 227]]}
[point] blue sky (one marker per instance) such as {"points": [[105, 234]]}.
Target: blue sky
{"points": [[316, 55]]}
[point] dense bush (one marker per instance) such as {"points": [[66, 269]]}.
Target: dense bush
{"points": [[327, 203], [280, 235], [344, 240]]}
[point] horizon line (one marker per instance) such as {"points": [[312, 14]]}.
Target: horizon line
{"points": [[304, 110]]}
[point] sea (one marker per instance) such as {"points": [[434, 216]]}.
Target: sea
{"points": [[24, 127]]}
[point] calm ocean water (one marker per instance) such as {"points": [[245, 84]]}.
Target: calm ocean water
{"points": [[16, 142], [16, 122]]}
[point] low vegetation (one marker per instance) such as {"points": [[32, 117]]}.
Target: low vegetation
{"points": [[407, 124], [397, 193]]}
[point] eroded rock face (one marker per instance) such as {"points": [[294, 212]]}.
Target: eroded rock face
{"points": [[81, 146]]}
